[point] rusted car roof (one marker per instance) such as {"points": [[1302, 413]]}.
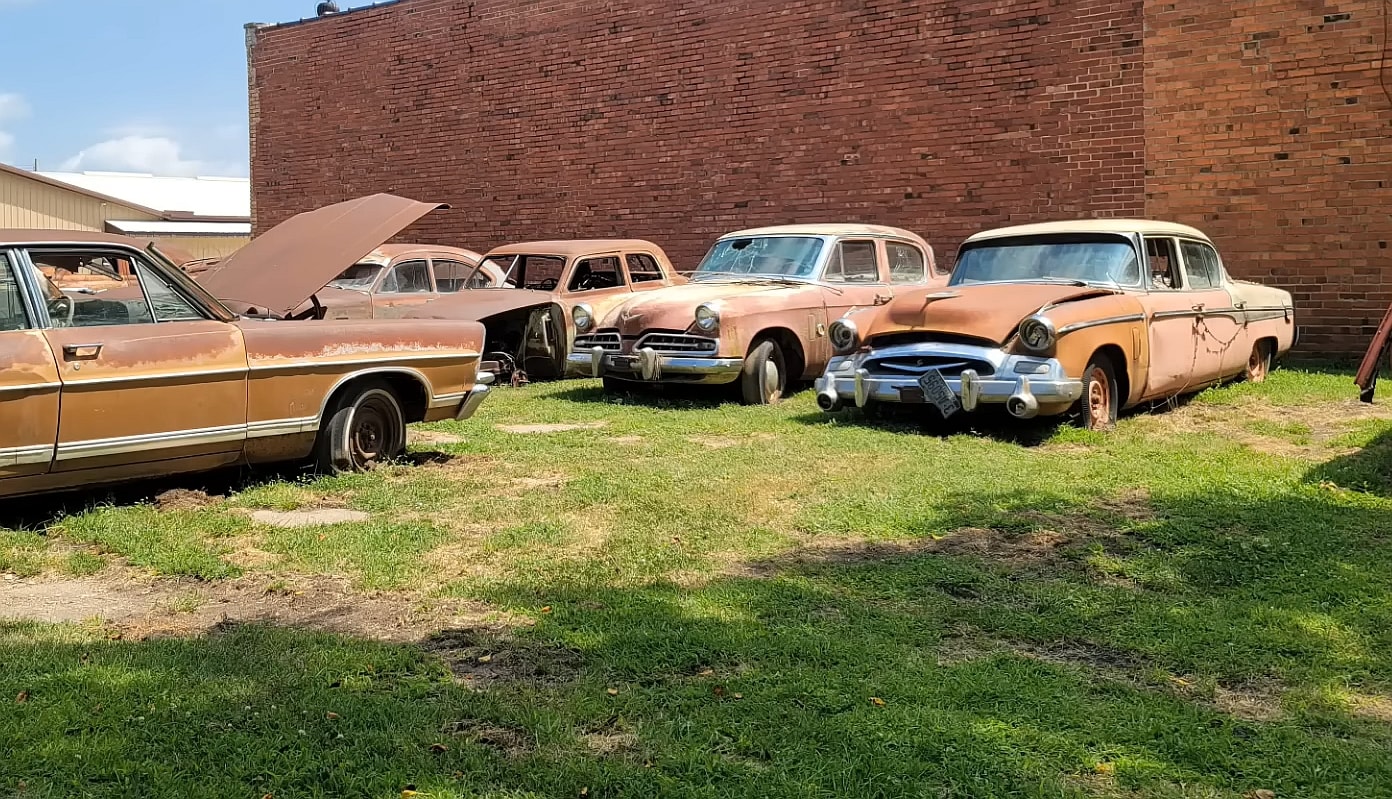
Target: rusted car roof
{"points": [[824, 229], [280, 269], [1119, 226], [67, 236], [572, 248], [388, 251]]}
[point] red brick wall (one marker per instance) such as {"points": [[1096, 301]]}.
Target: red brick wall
{"points": [[1267, 127], [681, 120]]}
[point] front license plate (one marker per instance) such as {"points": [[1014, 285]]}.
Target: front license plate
{"points": [[937, 392], [624, 361]]}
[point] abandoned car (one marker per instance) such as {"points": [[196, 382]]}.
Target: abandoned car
{"points": [[755, 312], [157, 377], [585, 277], [297, 273], [1088, 316]]}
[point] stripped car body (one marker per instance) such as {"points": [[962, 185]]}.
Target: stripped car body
{"points": [[298, 269], [157, 377], [755, 313], [1095, 315], [590, 275]]}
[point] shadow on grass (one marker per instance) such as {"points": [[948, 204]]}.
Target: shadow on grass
{"points": [[892, 672], [664, 396], [1369, 470], [988, 422]]}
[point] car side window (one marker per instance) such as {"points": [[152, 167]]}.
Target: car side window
{"points": [[1200, 265], [643, 268], [407, 277], [452, 276], [146, 299], [166, 302], [1164, 267], [906, 263], [12, 313], [853, 262], [596, 273], [539, 272]]}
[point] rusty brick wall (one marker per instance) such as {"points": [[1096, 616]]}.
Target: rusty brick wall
{"points": [[679, 120], [1267, 127]]}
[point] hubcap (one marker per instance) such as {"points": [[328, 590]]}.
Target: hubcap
{"points": [[370, 434], [772, 379], [1099, 399]]}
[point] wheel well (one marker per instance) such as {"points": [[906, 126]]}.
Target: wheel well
{"points": [[787, 341], [1270, 343], [408, 389], [1114, 354]]}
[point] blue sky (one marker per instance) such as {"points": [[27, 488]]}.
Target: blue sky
{"points": [[130, 85]]}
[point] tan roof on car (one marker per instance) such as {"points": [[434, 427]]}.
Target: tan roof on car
{"points": [[1124, 226], [571, 248], [825, 229], [389, 251], [67, 237]]}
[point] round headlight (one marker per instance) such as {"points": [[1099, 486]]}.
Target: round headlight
{"points": [[707, 316], [1037, 334], [584, 317], [844, 336]]}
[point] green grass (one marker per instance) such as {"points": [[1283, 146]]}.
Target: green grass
{"points": [[764, 602]]}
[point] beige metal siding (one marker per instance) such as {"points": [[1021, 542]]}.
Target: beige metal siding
{"points": [[28, 203], [203, 246]]}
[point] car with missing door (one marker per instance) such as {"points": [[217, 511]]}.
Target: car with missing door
{"points": [[754, 314], [1089, 317], [156, 377]]}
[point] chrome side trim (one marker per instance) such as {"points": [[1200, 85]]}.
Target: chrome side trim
{"points": [[384, 360], [120, 446], [26, 456], [1111, 320], [444, 400], [150, 378], [283, 427], [1177, 314], [29, 387]]}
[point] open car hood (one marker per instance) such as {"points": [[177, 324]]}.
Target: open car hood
{"points": [[279, 270]]}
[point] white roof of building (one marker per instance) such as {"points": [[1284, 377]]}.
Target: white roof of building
{"points": [[1120, 226], [193, 228], [200, 196]]}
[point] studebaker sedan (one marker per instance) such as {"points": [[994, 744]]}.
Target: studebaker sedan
{"points": [[755, 312], [584, 277], [1090, 317], [156, 377]]}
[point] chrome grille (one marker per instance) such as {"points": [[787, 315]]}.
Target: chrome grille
{"points": [[678, 343], [608, 341], [915, 365]]}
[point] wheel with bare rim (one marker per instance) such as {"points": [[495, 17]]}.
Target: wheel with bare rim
{"points": [[364, 430], [1097, 408], [1258, 364], [764, 378]]}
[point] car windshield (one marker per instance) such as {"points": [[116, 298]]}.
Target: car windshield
{"points": [[1108, 260], [358, 276], [761, 257]]}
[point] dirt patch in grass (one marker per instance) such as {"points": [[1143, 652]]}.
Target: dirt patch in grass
{"points": [[714, 442], [513, 743], [543, 429], [313, 517], [183, 499], [626, 440], [481, 656], [1303, 431], [432, 437], [611, 743], [539, 481], [147, 608]]}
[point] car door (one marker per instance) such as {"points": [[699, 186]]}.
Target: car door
{"points": [[855, 276], [599, 281], [453, 275], [148, 374], [1222, 323], [644, 272], [29, 384], [1181, 358], [404, 285]]}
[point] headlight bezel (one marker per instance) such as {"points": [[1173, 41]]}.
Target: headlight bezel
{"points": [[707, 317], [1036, 323], [845, 347], [575, 318]]}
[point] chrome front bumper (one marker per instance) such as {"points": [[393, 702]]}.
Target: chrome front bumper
{"points": [[475, 398], [1021, 383], [651, 366]]}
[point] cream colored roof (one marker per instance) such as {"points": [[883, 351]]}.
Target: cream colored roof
{"points": [[830, 229], [1123, 226]]}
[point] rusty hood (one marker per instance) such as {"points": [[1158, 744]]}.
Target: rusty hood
{"points": [[282, 268], [989, 311], [674, 307], [480, 304]]}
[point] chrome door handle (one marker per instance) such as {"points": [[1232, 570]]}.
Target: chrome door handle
{"points": [[81, 352], [883, 299]]}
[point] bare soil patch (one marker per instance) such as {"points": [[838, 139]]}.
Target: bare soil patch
{"points": [[1372, 708], [183, 499], [314, 517], [1243, 422], [480, 657], [540, 481], [508, 741], [714, 442], [432, 437], [141, 609], [543, 429], [626, 440]]}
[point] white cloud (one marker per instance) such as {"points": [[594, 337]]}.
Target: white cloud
{"points": [[138, 151], [13, 107]]}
